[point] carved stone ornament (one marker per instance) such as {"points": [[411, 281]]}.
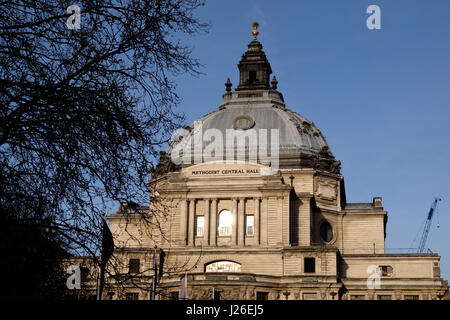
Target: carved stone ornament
{"points": [[325, 189]]}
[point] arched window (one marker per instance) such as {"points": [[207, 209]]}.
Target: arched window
{"points": [[225, 223], [223, 266]]}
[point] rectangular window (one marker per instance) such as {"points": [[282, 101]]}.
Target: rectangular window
{"points": [[133, 266], [309, 296], [436, 270], [252, 77], [173, 295], [262, 295], [250, 223], [216, 294], [412, 297], [85, 273], [310, 265], [357, 297], [132, 296], [386, 271], [384, 297], [200, 226]]}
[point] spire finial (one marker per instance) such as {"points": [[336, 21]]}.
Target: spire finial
{"points": [[228, 85], [274, 83], [255, 26]]}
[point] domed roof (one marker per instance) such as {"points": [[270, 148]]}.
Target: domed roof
{"points": [[295, 132], [300, 143], [254, 110]]}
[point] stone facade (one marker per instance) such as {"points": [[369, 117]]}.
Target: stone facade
{"points": [[287, 230]]}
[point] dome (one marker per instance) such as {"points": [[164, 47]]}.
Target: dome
{"points": [[296, 134], [255, 110]]}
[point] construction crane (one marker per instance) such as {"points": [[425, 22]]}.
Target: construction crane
{"points": [[426, 229]]}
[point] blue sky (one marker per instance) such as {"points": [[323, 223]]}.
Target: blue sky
{"points": [[381, 97]]}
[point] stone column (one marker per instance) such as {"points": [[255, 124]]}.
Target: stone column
{"points": [[184, 206], [304, 217], [234, 228], [206, 227], [241, 222], [256, 220], [286, 221], [213, 224], [191, 222], [263, 221]]}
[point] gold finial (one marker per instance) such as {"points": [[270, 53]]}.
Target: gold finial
{"points": [[255, 25]]}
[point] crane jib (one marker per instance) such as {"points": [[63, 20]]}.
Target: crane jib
{"points": [[430, 214], [426, 228]]}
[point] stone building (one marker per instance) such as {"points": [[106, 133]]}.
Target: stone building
{"points": [[274, 227]]}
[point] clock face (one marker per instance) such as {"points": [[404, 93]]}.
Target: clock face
{"points": [[243, 123]]}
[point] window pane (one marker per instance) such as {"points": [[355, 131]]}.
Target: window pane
{"points": [[310, 265], [225, 223], [132, 296], [200, 225], [386, 271], [173, 295], [252, 77], [134, 266], [223, 266], [250, 225]]}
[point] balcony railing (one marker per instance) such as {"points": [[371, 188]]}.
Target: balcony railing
{"points": [[370, 250], [407, 250]]}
